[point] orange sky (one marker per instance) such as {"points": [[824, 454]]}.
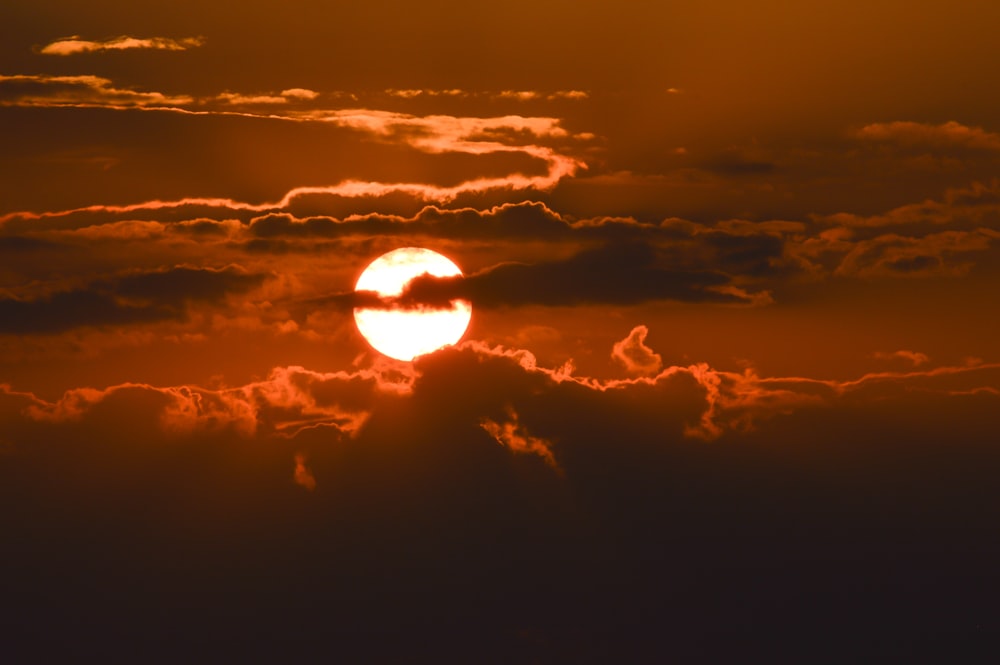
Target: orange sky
{"points": [[733, 269]]}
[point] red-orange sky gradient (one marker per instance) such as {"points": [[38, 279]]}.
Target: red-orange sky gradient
{"points": [[730, 392]]}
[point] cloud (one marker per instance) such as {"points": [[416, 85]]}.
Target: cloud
{"points": [[748, 251], [569, 94], [897, 255], [634, 355], [616, 273], [129, 298], [238, 99], [915, 358], [75, 45], [413, 93], [512, 135], [299, 93], [289, 401], [303, 476], [533, 95], [934, 237], [516, 95], [508, 394], [946, 136], [284, 97], [832, 481], [963, 207], [510, 220], [741, 162], [78, 91], [294, 398], [508, 432]]}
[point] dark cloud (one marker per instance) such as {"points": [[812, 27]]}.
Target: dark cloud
{"points": [[917, 263], [947, 137], [621, 273], [749, 254], [141, 297], [87, 90], [685, 253], [182, 283], [737, 166], [427, 532], [524, 220], [23, 244]]}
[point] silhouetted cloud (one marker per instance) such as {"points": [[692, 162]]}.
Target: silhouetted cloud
{"points": [[81, 91], [140, 297], [622, 274], [484, 468], [946, 136]]}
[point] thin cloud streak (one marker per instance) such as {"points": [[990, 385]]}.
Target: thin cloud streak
{"points": [[75, 45], [84, 91], [915, 358], [948, 135], [430, 134]]}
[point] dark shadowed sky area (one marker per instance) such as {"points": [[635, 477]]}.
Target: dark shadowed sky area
{"points": [[730, 391]]}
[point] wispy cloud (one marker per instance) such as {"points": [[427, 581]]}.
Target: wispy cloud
{"points": [[75, 45], [634, 355], [535, 95], [914, 358], [437, 134], [78, 91], [412, 93], [303, 476], [299, 93], [948, 135], [284, 97], [133, 297], [516, 95], [510, 433]]}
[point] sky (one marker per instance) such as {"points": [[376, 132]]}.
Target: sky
{"points": [[730, 387]]}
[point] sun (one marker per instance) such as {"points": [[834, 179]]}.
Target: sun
{"points": [[404, 334]]}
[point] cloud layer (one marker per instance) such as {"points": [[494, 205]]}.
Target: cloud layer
{"points": [[341, 486]]}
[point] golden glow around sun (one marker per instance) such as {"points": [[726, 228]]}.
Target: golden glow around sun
{"points": [[406, 333]]}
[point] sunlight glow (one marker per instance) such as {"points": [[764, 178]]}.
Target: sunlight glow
{"points": [[406, 333]]}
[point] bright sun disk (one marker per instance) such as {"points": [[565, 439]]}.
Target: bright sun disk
{"points": [[407, 333]]}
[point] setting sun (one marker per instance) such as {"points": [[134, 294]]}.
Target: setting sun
{"points": [[404, 334]]}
